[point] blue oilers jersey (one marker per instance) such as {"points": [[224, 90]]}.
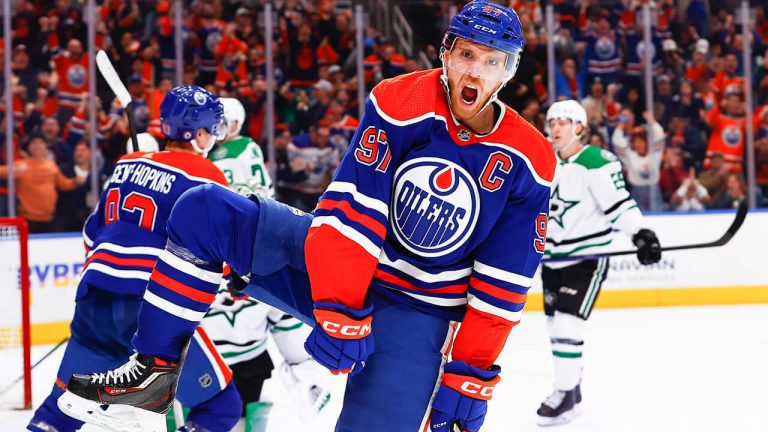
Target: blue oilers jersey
{"points": [[427, 212], [603, 56], [210, 33], [126, 232]]}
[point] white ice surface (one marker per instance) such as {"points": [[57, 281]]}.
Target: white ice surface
{"points": [[653, 369]]}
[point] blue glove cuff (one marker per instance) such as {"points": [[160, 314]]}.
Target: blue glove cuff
{"points": [[352, 313], [459, 367]]}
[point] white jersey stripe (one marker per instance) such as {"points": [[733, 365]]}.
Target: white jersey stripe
{"points": [[493, 310], [211, 360], [129, 250], [122, 274], [189, 268], [347, 232], [171, 308], [447, 342], [87, 240], [364, 200], [437, 301], [417, 273], [503, 275]]}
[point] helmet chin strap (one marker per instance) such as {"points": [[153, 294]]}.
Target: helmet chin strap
{"points": [[491, 99], [444, 81], [203, 153], [575, 140]]}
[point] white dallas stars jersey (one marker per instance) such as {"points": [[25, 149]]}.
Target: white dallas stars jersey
{"points": [[588, 200], [239, 327], [242, 162]]}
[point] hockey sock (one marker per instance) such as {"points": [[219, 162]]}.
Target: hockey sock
{"points": [[179, 292], [567, 337], [170, 418], [219, 413], [256, 414]]}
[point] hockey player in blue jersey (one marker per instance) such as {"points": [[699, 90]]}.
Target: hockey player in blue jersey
{"points": [[124, 237], [437, 215]]}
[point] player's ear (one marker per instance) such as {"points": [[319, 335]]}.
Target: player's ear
{"points": [[579, 129], [204, 139]]}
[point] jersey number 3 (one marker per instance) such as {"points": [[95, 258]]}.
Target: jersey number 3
{"points": [[373, 143], [133, 201]]}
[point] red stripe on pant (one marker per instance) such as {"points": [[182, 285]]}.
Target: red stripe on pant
{"points": [[225, 370]]}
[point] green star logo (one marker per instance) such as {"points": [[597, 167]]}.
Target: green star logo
{"points": [[558, 206], [231, 310]]}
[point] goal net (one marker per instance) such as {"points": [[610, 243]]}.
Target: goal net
{"points": [[15, 343]]}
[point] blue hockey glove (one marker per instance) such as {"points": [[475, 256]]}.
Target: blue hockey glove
{"points": [[463, 397], [341, 341]]}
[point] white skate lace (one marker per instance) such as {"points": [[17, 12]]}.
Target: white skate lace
{"points": [[129, 371], [555, 399]]}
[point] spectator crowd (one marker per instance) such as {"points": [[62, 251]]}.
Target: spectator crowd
{"points": [[688, 155], [688, 150]]}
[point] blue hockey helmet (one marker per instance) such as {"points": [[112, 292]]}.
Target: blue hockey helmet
{"points": [[185, 109], [490, 25]]}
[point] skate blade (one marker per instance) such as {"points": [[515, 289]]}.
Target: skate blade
{"points": [[563, 418], [115, 417]]}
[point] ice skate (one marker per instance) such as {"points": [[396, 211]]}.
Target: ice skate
{"points": [[558, 408], [132, 398], [577, 390]]}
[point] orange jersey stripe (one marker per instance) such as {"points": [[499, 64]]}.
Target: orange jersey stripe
{"points": [[128, 262], [450, 289], [180, 288], [497, 292], [365, 220]]}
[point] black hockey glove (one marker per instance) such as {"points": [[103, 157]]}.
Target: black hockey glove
{"points": [[237, 284], [648, 247]]}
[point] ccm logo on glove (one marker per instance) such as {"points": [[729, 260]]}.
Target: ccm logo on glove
{"points": [[470, 386], [341, 326]]}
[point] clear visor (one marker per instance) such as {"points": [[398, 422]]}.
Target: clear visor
{"points": [[219, 130], [486, 65]]}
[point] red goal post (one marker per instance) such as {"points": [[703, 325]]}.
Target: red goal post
{"points": [[15, 338]]}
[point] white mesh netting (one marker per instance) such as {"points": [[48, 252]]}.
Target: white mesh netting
{"points": [[11, 329]]}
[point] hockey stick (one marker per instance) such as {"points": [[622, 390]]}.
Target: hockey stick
{"points": [[738, 220], [51, 351], [121, 92]]}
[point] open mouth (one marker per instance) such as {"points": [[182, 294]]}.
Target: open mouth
{"points": [[468, 94]]}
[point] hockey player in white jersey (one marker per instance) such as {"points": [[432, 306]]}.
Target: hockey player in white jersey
{"points": [[239, 157], [239, 325], [588, 202]]}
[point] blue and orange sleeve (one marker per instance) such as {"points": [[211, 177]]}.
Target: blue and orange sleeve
{"points": [[92, 225], [503, 271], [350, 223]]}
